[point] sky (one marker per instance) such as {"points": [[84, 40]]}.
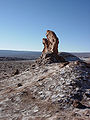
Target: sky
{"points": [[23, 24]]}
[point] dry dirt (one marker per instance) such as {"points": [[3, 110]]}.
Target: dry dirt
{"points": [[43, 92], [8, 68]]}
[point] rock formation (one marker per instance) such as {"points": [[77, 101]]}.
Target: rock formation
{"points": [[50, 43], [50, 51], [50, 89]]}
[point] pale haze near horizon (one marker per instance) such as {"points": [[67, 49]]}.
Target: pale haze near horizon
{"points": [[23, 24]]}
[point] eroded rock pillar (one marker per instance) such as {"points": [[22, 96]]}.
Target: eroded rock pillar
{"points": [[50, 43]]}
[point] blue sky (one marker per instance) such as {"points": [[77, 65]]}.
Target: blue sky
{"points": [[23, 24]]}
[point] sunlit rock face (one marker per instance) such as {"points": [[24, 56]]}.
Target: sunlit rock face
{"points": [[50, 43], [50, 51]]}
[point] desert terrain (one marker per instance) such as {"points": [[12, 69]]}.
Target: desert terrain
{"points": [[8, 68], [35, 92], [10, 61]]}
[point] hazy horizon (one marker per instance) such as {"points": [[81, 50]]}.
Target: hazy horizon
{"points": [[41, 51]]}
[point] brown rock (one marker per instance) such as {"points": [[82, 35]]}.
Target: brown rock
{"points": [[77, 104], [50, 43], [50, 51], [19, 84], [16, 72]]}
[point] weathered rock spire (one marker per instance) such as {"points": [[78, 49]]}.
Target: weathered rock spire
{"points": [[50, 43], [50, 52]]}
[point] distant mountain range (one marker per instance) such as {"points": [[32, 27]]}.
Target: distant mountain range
{"points": [[31, 54]]}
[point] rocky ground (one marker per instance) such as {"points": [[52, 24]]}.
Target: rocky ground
{"points": [[56, 91], [9, 68]]}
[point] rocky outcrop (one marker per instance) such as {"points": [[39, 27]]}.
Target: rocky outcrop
{"points": [[50, 43], [49, 58], [50, 51], [69, 57]]}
